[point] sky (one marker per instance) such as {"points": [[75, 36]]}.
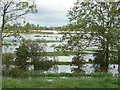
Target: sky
{"points": [[51, 12]]}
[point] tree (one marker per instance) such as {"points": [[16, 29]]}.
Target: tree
{"points": [[32, 53], [27, 27], [8, 58], [119, 52], [93, 24], [22, 57], [37, 53], [11, 11]]}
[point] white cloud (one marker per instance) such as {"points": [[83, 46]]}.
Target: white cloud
{"points": [[51, 12]]}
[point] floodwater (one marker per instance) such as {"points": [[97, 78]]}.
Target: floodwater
{"points": [[52, 37], [87, 68], [69, 58], [48, 48]]}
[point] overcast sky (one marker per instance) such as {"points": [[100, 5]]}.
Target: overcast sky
{"points": [[51, 12]]}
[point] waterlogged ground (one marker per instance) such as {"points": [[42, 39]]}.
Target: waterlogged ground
{"points": [[48, 48], [87, 68]]}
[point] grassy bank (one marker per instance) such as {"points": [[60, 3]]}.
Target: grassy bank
{"points": [[49, 82], [38, 74]]}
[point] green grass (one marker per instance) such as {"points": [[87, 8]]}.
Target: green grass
{"points": [[109, 51], [63, 63], [26, 74], [49, 82], [39, 41], [7, 44], [39, 32], [43, 41], [60, 53]]}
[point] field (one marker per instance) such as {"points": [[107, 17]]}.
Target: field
{"points": [[57, 82]]}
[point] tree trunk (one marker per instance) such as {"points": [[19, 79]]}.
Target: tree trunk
{"points": [[119, 52], [119, 59], [0, 52], [107, 55], [0, 58]]}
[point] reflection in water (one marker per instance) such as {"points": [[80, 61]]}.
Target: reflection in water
{"points": [[100, 68], [87, 68], [76, 70], [54, 69]]}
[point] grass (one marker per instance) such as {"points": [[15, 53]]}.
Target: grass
{"points": [[43, 41], [63, 63], [50, 82], [39, 41], [109, 51], [37, 74], [7, 44], [39, 32], [60, 53]]}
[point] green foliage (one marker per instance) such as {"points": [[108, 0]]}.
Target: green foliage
{"points": [[34, 52], [7, 60], [93, 24], [14, 72], [43, 65], [22, 56], [11, 11], [27, 28]]}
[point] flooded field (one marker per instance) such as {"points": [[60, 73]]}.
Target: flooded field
{"points": [[87, 68]]}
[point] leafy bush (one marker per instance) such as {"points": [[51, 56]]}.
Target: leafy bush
{"points": [[43, 65], [7, 60], [14, 72], [32, 52], [22, 56]]}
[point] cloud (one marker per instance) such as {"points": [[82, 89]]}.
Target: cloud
{"points": [[51, 12]]}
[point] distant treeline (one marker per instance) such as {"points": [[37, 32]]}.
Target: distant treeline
{"points": [[28, 26]]}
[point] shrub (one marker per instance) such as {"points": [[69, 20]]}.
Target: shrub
{"points": [[14, 72], [34, 52], [43, 65]]}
